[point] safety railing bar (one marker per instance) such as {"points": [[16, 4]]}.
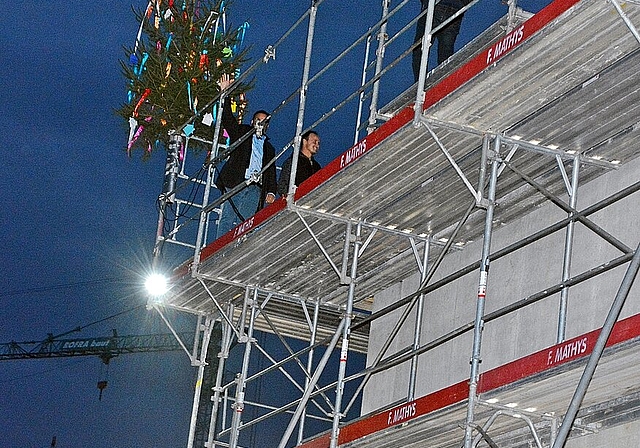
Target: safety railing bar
{"points": [[265, 406], [366, 35], [358, 41], [340, 105]]}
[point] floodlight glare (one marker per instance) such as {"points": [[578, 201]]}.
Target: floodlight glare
{"points": [[156, 284]]}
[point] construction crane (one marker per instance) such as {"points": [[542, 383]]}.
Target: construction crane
{"points": [[105, 348]]}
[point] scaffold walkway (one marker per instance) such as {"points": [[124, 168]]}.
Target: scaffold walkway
{"points": [[520, 117]]}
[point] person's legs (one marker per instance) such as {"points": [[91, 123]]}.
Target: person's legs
{"points": [[446, 36], [246, 204]]}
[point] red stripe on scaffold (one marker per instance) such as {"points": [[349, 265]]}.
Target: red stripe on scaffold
{"points": [[554, 356], [243, 228], [405, 412], [557, 355], [395, 416], [432, 96]]}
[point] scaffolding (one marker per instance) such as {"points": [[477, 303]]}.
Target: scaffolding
{"points": [[525, 116]]}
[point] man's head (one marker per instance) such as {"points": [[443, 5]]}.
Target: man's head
{"points": [[310, 143], [260, 122]]}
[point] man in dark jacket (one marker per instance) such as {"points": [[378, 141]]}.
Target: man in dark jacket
{"points": [[244, 164], [307, 165], [446, 36]]}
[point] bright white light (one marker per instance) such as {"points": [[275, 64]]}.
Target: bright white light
{"points": [[511, 405], [531, 409], [156, 284], [492, 400]]}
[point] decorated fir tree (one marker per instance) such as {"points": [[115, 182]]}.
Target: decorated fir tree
{"points": [[183, 47]]}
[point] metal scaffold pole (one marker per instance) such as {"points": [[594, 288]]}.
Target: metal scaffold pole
{"points": [[568, 249], [204, 213], [168, 193], [303, 101], [598, 350], [247, 338], [482, 291], [424, 62], [206, 329], [312, 341], [418, 325], [382, 39], [345, 338], [225, 346]]}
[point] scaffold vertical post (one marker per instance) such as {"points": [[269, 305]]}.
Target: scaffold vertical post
{"points": [[303, 101], [247, 339], [345, 339], [511, 14], [225, 347], [362, 96], [424, 62], [598, 350], [482, 175], [168, 193], [312, 341], [382, 42], [568, 250], [482, 291], [206, 330], [418, 325], [204, 214]]}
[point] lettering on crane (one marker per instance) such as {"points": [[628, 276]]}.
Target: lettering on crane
{"points": [[353, 153], [87, 343], [402, 413], [567, 351], [507, 43]]}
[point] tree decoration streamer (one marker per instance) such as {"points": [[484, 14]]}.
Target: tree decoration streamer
{"points": [[182, 49]]}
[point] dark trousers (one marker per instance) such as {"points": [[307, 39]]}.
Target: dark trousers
{"points": [[446, 37]]}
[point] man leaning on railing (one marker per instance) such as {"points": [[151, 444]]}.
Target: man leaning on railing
{"points": [[307, 164]]}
